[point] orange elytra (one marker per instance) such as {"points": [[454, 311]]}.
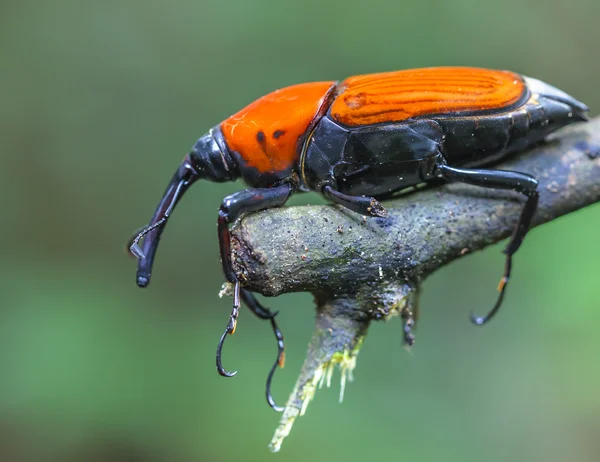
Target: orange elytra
{"points": [[401, 95], [267, 133]]}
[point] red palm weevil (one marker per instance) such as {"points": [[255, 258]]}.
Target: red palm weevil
{"points": [[357, 140]]}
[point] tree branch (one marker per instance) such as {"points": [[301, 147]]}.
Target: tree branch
{"points": [[336, 254]]}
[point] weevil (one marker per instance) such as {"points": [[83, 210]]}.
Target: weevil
{"points": [[358, 140]]}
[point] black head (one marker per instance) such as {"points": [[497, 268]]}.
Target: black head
{"points": [[210, 160]]}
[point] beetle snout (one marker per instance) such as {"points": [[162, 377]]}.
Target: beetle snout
{"points": [[183, 178]]}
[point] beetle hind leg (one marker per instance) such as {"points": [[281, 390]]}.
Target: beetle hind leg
{"points": [[264, 313], [359, 204], [232, 207], [410, 315], [501, 179]]}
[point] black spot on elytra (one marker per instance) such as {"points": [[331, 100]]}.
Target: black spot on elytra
{"points": [[278, 133], [262, 140]]}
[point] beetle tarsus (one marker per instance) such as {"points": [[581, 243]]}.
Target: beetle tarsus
{"points": [[262, 313], [279, 362], [409, 323], [220, 369], [481, 320], [229, 330], [513, 245], [360, 204], [501, 179]]}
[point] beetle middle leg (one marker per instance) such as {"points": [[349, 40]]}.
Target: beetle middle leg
{"points": [[410, 315], [359, 204], [232, 207], [501, 179]]}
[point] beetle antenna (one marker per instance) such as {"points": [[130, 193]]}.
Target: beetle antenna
{"points": [[181, 181], [279, 362], [133, 244]]}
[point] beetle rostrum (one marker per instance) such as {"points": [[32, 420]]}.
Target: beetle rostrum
{"points": [[360, 140]]}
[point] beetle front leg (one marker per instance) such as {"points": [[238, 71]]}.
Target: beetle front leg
{"points": [[232, 207], [501, 179]]}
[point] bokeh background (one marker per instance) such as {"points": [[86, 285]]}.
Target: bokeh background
{"points": [[99, 103]]}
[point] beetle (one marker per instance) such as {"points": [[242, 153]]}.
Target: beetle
{"points": [[357, 142]]}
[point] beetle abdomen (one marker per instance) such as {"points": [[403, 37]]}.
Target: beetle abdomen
{"points": [[401, 95], [379, 158], [483, 139]]}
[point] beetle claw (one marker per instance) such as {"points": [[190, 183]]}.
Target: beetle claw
{"points": [[220, 369], [477, 320], [377, 210], [230, 329], [481, 320], [270, 399], [409, 323], [280, 361]]}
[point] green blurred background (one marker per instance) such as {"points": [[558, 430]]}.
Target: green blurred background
{"points": [[99, 103]]}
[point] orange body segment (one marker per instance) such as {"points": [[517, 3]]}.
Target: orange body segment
{"points": [[397, 96], [266, 133]]}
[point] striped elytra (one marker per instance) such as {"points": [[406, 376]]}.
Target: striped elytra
{"points": [[401, 95]]}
